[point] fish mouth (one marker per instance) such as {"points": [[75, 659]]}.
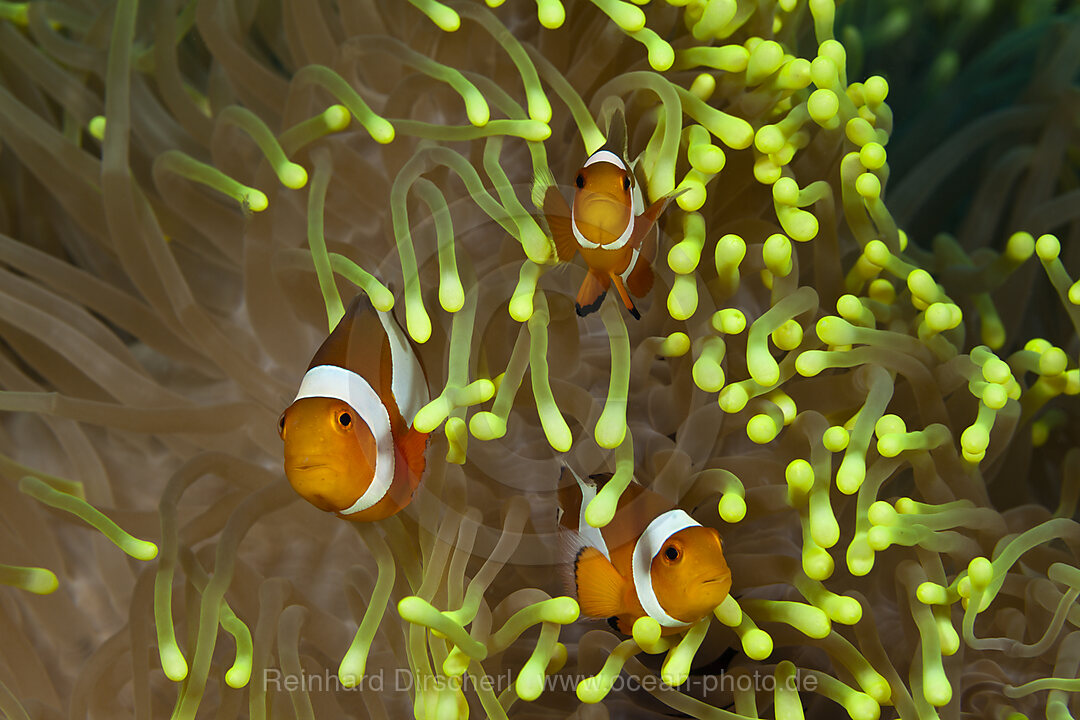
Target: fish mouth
{"points": [[610, 197], [315, 481], [596, 200], [307, 463]]}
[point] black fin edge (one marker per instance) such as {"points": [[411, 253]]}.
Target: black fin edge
{"points": [[591, 307]]}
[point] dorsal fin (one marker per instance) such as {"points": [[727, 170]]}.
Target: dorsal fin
{"points": [[601, 479], [615, 140], [569, 498], [574, 497], [357, 343], [372, 344], [571, 491]]}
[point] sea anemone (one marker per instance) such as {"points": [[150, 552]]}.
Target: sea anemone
{"points": [[850, 363]]}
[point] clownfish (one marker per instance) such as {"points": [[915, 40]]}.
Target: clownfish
{"points": [[349, 445], [651, 559], [606, 225]]}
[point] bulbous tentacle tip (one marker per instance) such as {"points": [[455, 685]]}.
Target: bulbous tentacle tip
{"points": [[173, 663], [31, 579], [551, 14], [238, 677], [96, 127]]}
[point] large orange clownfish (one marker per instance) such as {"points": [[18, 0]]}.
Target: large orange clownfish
{"points": [[651, 559], [606, 225], [349, 445]]}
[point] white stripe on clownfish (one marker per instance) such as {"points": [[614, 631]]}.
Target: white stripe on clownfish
{"points": [[638, 202], [407, 377], [647, 547], [591, 536], [625, 274], [331, 381], [608, 157]]}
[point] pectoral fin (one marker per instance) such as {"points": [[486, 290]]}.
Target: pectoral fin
{"points": [[644, 222], [557, 214], [599, 584]]}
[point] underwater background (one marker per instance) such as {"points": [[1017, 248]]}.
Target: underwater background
{"points": [[857, 362]]}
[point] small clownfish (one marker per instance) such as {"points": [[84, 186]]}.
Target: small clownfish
{"points": [[607, 225], [651, 559], [349, 445]]}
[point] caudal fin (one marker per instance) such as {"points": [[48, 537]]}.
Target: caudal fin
{"points": [[591, 294]]}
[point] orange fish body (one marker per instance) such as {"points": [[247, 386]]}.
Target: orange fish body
{"points": [[651, 559], [349, 445], [607, 225]]}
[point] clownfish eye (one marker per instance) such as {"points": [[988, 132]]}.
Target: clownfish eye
{"points": [[281, 425], [344, 419], [672, 553], [580, 180], [626, 183]]}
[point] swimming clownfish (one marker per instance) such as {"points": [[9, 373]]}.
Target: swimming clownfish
{"points": [[607, 225], [349, 445], [651, 559]]}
